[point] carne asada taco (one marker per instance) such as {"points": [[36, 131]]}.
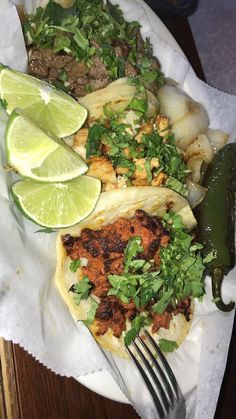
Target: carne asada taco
{"points": [[131, 264]]}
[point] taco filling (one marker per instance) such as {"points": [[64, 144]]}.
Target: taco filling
{"points": [[85, 47], [138, 271], [130, 149]]}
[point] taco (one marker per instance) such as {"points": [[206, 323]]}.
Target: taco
{"points": [[131, 264]]}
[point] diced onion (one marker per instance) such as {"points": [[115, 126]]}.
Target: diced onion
{"points": [[83, 261]]}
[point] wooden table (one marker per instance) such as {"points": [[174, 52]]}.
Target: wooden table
{"points": [[30, 391]]}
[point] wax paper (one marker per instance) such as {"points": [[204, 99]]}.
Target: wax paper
{"points": [[31, 310]]}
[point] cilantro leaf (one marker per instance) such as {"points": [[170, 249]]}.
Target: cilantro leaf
{"points": [[92, 311], [75, 264], [174, 220], [132, 249], [139, 102], [3, 103], [80, 39], [93, 141], [210, 256], [166, 345], [81, 290], [136, 325], [162, 304], [115, 12], [46, 230], [176, 186], [61, 43]]}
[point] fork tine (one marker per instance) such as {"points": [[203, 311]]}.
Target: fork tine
{"points": [[154, 376], [161, 373], [155, 398], [169, 373]]}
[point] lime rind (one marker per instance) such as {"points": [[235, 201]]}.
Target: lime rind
{"points": [[53, 110], [55, 193], [57, 205], [35, 154]]}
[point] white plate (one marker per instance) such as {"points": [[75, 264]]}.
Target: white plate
{"points": [[101, 381]]}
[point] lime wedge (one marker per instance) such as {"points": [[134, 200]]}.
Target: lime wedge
{"points": [[57, 205], [51, 109], [35, 154]]}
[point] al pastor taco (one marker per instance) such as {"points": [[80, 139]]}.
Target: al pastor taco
{"points": [[131, 264]]}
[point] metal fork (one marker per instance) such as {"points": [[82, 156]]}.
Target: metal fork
{"points": [[158, 377]]}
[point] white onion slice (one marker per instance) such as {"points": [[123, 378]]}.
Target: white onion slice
{"points": [[174, 102], [217, 138], [196, 193], [194, 164], [188, 128], [200, 148]]}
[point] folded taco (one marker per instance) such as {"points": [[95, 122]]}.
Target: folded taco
{"points": [[132, 263]]}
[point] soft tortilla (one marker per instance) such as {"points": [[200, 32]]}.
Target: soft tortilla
{"points": [[112, 205]]}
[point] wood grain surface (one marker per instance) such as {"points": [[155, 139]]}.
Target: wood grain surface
{"points": [[28, 390], [9, 396]]}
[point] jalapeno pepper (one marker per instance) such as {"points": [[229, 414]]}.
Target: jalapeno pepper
{"points": [[216, 219]]}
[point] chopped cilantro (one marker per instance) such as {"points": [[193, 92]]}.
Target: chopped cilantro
{"points": [[148, 169], [2, 66], [175, 221], [139, 102], [63, 75], [115, 12], [136, 325], [164, 301], [3, 103], [75, 264], [176, 186], [94, 138], [81, 290], [74, 29], [210, 256], [92, 311], [166, 345], [46, 230], [80, 39], [61, 43], [132, 249]]}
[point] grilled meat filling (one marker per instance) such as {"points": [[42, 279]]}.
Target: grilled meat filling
{"points": [[104, 251]]}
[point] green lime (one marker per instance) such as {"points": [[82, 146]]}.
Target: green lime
{"points": [[57, 205], [35, 154], [51, 109]]}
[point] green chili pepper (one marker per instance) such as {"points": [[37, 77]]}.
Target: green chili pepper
{"points": [[216, 219]]}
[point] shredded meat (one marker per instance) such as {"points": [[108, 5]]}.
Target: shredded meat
{"points": [[112, 313], [184, 307], [122, 49], [104, 250], [161, 320]]}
